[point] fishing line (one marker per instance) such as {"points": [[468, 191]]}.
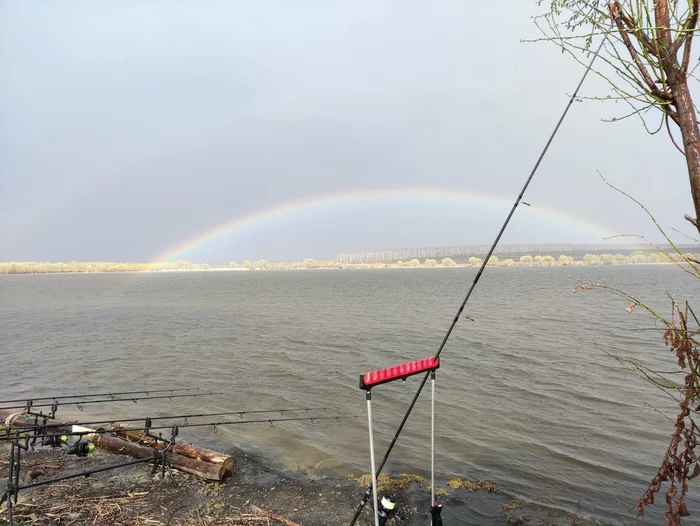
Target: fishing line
{"points": [[368, 493], [156, 428], [185, 417], [147, 392], [109, 400]]}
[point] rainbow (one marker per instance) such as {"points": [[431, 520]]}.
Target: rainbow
{"points": [[281, 210]]}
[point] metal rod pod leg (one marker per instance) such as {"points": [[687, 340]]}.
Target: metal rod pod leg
{"points": [[371, 456], [432, 439]]}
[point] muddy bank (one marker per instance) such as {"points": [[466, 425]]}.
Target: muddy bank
{"points": [[255, 494]]}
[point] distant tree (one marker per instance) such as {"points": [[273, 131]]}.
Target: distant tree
{"points": [[607, 259], [565, 260], [548, 260], [414, 263], [539, 260], [591, 259], [527, 260], [233, 264], [309, 263], [448, 262], [475, 261], [508, 262], [431, 263], [248, 264], [400, 264], [261, 263], [493, 261]]}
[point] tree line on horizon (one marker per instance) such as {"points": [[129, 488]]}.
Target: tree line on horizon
{"points": [[31, 267], [637, 257], [481, 250]]}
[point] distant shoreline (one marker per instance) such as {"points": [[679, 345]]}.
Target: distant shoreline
{"points": [[24, 268]]}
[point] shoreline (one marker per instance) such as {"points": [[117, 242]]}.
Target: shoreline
{"points": [[359, 266], [255, 492]]}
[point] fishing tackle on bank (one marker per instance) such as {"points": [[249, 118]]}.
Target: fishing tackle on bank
{"points": [[80, 448], [54, 406], [387, 509], [186, 418], [371, 489], [147, 392]]}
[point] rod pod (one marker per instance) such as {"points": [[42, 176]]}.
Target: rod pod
{"points": [[382, 376]]}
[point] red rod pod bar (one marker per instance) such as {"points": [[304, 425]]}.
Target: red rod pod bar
{"points": [[382, 376], [403, 371]]}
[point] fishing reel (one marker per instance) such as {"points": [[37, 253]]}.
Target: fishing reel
{"points": [[386, 509], [81, 448], [54, 440]]}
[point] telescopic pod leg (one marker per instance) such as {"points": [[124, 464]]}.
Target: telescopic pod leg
{"points": [[435, 508], [432, 438], [371, 456], [12, 481]]}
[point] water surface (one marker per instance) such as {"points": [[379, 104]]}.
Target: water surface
{"points": [[525, 396]]}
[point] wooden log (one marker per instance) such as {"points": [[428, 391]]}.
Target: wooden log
{"points": [[16, 420], [120, 446], [187, 450]]}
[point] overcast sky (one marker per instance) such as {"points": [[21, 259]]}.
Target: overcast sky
{"points": [[127, 128]]}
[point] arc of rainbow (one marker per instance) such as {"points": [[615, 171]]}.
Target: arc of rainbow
{"points": [[280, 210]]}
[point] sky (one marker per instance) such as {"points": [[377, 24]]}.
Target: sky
{"points": [[136, 130]]}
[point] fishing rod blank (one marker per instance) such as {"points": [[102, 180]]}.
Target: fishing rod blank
{"points": [[367, 494], [86, 402], [186, 417], [93, 395], [173, 427]]}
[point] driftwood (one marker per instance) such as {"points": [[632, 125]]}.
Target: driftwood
{"points": [[186, 450], [188, 465], [186, 457], [16, 420]]}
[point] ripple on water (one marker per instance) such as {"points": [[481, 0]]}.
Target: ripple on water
{"points": [[525, 398]]}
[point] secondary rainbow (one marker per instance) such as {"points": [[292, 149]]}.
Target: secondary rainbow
{"points": [[281, 210]]}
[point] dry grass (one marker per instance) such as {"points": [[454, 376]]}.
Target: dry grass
{"points": [[98, 510], [112, 510], [482, 485], [386, 484]]}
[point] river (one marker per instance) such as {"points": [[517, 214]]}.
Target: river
{"points": [[526, 398]]}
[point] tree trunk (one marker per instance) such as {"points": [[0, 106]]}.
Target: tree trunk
{"points": [[189, 450], [16, 421], [188, 465], [677, 78], [687, 121]]}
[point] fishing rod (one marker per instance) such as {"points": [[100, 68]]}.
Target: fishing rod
{"points": [[173, 428], [368, 493], [86, 402], [158, 458], [185, 417], [93, 395]]}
